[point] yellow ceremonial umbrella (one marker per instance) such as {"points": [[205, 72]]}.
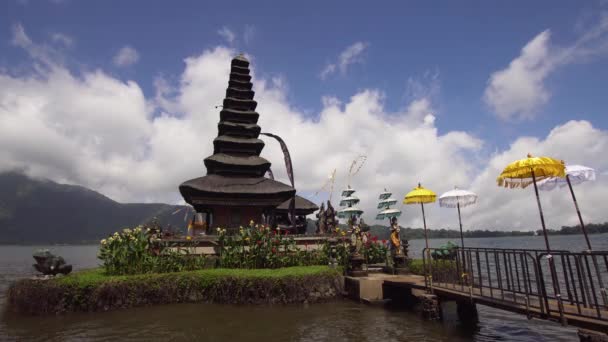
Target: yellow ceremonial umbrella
{"points": [[524, 172], [421, 195]]}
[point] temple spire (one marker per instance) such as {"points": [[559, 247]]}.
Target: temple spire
{"points": [[237, 147]]}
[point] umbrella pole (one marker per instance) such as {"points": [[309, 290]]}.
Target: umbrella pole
{"points": [[540, 209], [464, 263], [460, 222], [578, 212], [426, 238], [429, 270], [580, 218], [554, 278]]}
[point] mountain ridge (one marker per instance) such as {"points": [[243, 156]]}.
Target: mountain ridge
{"points": [[42, 211]]}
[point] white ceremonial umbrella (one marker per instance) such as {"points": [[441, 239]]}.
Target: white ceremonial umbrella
{"points": [[348, 191], [350, 212], [387, 203], [349, 201], [575, 174], [455, 199], [384, 195], [388, 213]]}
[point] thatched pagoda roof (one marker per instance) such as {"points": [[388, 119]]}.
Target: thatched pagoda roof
{"points": [[235, 171]]}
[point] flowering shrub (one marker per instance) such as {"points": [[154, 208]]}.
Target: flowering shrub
{"points": [[375, 251], [137, 251], [259, 246], [133, 251]]}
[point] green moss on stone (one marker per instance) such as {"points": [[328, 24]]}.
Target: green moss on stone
{"points": [[93, 290]]}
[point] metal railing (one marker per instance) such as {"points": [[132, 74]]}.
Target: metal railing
{"points": [[554, 284], [577, 283]]}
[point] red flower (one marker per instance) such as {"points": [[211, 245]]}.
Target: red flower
{"points": [[374, 238], [259, 242], [274, 250], [384, 241]]}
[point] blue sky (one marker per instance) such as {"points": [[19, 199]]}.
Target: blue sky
{"points": [[464, 42], [444, 93]]}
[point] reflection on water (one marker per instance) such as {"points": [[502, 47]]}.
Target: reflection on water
{"points": [[340, 321]]}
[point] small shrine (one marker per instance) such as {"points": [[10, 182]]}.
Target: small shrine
{"points": [[284, 219]]}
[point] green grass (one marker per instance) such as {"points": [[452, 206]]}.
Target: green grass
{"points": [[416, 266], [96, 276]]}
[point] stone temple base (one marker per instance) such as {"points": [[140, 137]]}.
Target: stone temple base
{"points": [[400, 265], [355, 268]]}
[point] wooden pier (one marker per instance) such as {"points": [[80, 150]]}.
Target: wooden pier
{"points": [[564, 287]]}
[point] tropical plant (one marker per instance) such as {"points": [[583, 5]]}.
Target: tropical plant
{"points": [[375, 251], [136, 251]]}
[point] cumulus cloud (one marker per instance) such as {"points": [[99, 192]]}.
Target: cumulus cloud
{"points": [[518, 91], [576, 142], [113, 139], [351, 55], [227, 34], [126, 56]]}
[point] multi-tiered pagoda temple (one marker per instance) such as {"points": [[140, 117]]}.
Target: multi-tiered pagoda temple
{"points": [[235, 191]]}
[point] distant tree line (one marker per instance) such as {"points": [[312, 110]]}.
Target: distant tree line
{"points": [[592, 228], [383, 232], [418, 233]]}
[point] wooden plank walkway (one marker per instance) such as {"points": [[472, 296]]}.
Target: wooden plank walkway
{"points": [[576, 315]]}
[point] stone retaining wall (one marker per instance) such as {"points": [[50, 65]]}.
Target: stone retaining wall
{"points": [[39, 297]]}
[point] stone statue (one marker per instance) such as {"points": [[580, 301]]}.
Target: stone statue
{"points": [[364, 227], [395, 238], [405, 246], [356, 236], [331, 222], [356, 260], [398, 251], [49, 264], [321, 227]]}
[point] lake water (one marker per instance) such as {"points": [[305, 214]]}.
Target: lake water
{"points": [[339, 321]]}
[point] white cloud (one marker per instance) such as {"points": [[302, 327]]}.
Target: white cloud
{"points": [[576, 142], [126, 56], [351, 55], [328, 70], [519, 91], [39, 52], [248, 34], [108, 139], [63, 39], [227, 34]]}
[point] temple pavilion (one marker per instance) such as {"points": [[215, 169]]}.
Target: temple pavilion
{"points": [[235, 189]]}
